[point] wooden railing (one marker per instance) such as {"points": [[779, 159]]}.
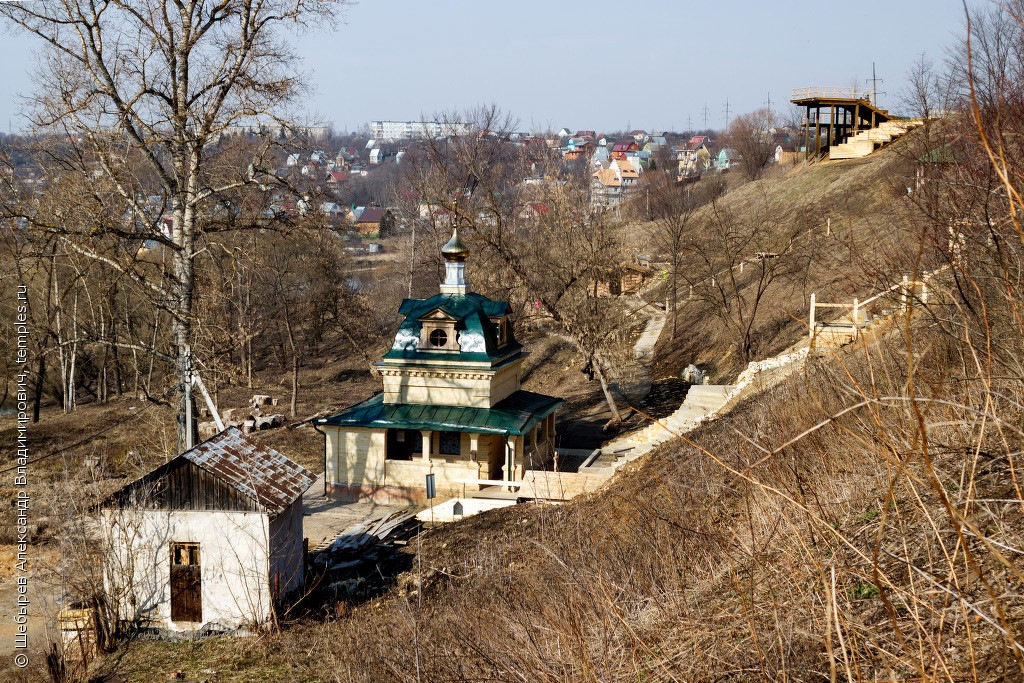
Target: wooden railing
{"points": [[908, 289], [823, 91]]}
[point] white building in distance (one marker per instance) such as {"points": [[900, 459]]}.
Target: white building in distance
{"points": [[408, 130]]}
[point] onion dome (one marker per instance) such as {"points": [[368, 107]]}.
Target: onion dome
{"points": [[455, 250]]}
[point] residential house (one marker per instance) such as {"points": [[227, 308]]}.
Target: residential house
{"points": [[694, 157], [628, 171], [727, 159], [335, 178], [534, 211], [625, 148], [210, 540], [611, 185], [639, 136], [655, 143], [564, 133], [578, 148], [374, 221], [332, 210], [452, 404], [346, 155]]}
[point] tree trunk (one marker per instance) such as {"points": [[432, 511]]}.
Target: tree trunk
{"points": [[184, 287], [616, 417], [40, 377], [295, 382], [295, 359]]}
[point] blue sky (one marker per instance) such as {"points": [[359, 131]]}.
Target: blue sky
{"points": [[589, 64]]}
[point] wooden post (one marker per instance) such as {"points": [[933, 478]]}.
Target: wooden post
{"points": [[856, 318], [807, 134], [832, 126], [811, 323], [817, 132]]}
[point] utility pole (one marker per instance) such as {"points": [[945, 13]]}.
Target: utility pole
{"points": [[705, 112], [874, 85], [689, 124], [188, 438], [727, 110], [769, 102]]}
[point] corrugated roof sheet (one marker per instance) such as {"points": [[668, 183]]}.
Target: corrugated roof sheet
{"points": [[255, 470], [517, 414]]}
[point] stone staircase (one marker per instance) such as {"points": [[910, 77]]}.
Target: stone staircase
{"points": [[635, 377], [705, 402], [865, 142], [702, 401], [843, 331]]}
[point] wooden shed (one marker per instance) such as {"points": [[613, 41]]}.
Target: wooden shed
{"points": [[209, 541]]}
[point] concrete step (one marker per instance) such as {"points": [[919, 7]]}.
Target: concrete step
{"points": [[688, 412], [707, 403], [709, 389]]}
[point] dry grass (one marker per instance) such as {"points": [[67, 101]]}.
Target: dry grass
{"points": [[818, 534]]}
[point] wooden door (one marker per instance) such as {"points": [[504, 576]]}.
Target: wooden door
{"points": [[186, 583]]}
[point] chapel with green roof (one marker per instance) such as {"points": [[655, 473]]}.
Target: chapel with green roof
{"points": [[451, 403]]}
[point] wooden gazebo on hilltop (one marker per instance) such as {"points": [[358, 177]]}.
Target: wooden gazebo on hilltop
{"points": [[841, 112]]}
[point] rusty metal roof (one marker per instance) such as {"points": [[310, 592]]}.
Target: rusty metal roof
{"points": [[255, 470]]}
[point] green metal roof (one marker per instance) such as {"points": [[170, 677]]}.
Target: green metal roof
{"points": [[517, 414], [938, 155], [472, 313]]}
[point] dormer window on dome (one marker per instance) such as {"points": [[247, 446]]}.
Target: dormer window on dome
{"points": [[500, 330], [437, 333]]}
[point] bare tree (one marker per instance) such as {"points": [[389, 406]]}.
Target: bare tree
{"points": [[751, 136], [673, 206], [736, 260], [144, 92], [925, 93]]}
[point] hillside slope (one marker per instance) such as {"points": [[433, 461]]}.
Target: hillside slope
{"points": [[841, 229], [861, 520]]}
